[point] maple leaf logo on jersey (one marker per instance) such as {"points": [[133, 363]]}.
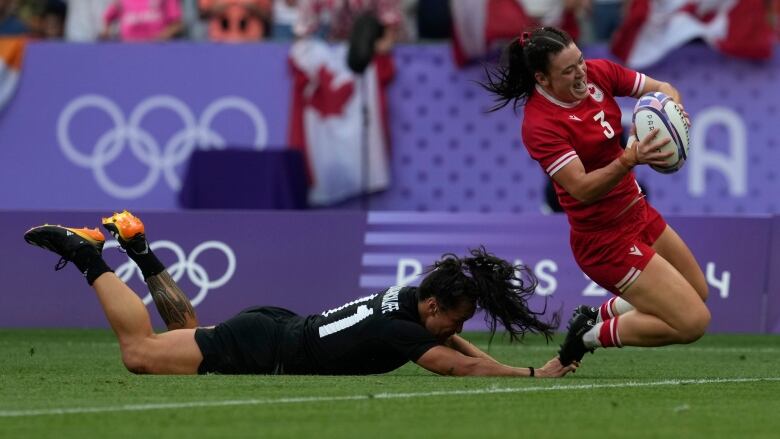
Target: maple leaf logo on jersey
{"points": [[595, 92]]}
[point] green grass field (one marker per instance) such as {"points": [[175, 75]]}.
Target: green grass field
{"points": [[71, 383]]}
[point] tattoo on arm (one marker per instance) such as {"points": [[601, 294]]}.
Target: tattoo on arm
{"points": [[172, 304]]}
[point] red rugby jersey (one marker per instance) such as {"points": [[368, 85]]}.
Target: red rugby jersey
{"points": [[555, 133]]}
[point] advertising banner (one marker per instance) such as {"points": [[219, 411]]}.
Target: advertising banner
{"points": [[773, 289]]}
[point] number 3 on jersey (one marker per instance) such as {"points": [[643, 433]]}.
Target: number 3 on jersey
{"points": [[608, 131]]}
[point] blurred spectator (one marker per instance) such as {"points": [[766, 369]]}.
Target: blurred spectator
{"points": [[84, 21], [605, 18], [342, 14], [774, 17], [559, 13], [143, 20], [479, 27], [236, 20], [194, 25], [51, 23], [10, 23], [285, 16], [434, 20], [409, 20]]}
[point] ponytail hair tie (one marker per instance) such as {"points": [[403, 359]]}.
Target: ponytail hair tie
{"points": [[525, 38]]}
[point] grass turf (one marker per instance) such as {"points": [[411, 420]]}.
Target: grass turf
{"points": [[617, 393]]}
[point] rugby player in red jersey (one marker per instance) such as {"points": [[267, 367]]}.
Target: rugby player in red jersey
{"points": [[571, 127]]}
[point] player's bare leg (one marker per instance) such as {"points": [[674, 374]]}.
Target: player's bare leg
{"points": [[672, 248], [143, 351], [668, 308], [171, 302], [174, 352]]}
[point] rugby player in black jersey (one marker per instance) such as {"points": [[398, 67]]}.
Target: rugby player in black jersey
{"points": [[370, 335]]}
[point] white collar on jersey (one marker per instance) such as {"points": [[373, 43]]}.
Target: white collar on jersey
{"points": [[550, 98]]}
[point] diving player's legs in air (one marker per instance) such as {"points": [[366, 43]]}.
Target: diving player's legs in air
{"points": [[143, 351], [172, 304], [672, 248], [668, 310], [661, 301]]}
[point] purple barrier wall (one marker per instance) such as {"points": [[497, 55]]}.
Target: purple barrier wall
{"points": [[114, 124], [448, 155], [313, 261], [773, 289]]}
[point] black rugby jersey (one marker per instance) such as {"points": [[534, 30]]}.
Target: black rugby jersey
{"points": [[372, 335]]}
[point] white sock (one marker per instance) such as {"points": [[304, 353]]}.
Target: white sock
{"points": [[621, 306], [612, 308], [591, 338]]}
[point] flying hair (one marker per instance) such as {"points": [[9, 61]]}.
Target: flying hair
{"points": [[513, 78], [501, 290]]}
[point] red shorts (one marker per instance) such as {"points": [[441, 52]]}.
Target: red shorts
{"points": [[615, 257]]}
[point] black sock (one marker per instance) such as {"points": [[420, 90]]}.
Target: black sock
{"points": [[147, 261], [90, 263]]}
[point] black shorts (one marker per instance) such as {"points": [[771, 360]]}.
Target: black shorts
{"points": [[245, 344]]}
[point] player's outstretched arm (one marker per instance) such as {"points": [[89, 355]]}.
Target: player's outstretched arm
{"points": [[447, 361], [465, 347]]}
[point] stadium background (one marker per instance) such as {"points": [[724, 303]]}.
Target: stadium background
{"points": [[466, 168], [86, 129]]}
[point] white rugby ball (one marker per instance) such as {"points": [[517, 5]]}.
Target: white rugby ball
{"points": [[657, 111]]}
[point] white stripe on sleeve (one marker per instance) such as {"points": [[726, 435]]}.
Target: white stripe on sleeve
{"points": [[561, 162], [639, 85]]}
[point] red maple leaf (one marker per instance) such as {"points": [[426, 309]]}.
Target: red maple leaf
{"points": [[327, 100]]}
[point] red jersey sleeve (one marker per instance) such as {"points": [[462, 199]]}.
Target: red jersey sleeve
{"points": [[623, 81], [546, 145]]}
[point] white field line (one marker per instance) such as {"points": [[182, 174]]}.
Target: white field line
{"points": [[316, 399]]}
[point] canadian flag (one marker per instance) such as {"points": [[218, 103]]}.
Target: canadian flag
{"points": [[653, 28], [479, 24], [339, 122], [11, 54]]}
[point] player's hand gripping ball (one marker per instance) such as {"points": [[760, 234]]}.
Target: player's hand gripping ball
{"points": [[657, 111]]}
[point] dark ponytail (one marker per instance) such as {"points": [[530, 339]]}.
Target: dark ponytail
{"points": [[497, 287], [512, 79]]}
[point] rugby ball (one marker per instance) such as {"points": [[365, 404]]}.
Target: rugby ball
{"points": [[657, 111]]}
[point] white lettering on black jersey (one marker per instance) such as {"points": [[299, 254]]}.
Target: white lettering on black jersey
{"points": [[374, 334], [390, 300], [362, 312], [354, 302], [353, 316]]}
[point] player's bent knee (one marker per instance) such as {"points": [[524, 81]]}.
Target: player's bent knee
{"points": [[704, 292], [695, 326], [134, 359]]}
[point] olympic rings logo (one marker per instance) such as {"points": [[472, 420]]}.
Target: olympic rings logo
{"points": [[184, 265], [160, 159]]}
